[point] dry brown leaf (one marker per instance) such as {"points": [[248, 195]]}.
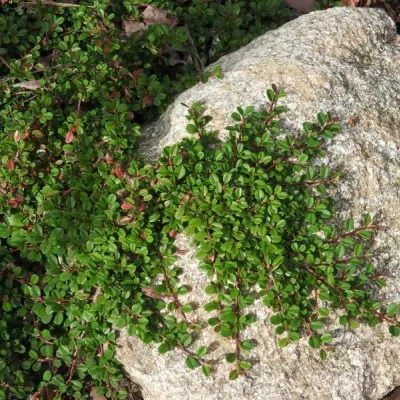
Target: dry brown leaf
{"points": [[30, 85], [95, 396], [50, 394], [125, 220], [151, 15], [19, 197], [133, 27], [301, 6], [154, 15], [97, 294]]}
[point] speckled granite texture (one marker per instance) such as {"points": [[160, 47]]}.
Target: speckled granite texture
{"points": [[346, 61]]}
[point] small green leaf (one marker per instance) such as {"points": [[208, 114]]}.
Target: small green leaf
{"points": [[58, 319], [392, 310], [324, 312], [324, 172], [186, 340], [163, 348], [47, 376], [349, 224], [283, 342], [358, 249], [302, 159], [179, 213], [235, 116], [322, 118], [394, 330], [181, 172], [226, 331], [278, 261], [246, 345], [191, 362], [187, 308], [270, 95], [191, 128], [211, 306], [293, 310], [233, 375], [213, 321], [316, 325], [326, 338], [353, 324], [206, 370], [201, 351], [245, 365], [314, 342]]}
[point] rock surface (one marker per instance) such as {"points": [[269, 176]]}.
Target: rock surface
{"points": [[346, 61]]}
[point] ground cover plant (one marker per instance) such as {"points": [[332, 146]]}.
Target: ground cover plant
{"points": [[87, 228], [84, 261]]}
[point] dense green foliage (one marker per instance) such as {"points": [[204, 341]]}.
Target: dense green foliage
{"points": [[84, 60], [87, 228], [255, 207]]}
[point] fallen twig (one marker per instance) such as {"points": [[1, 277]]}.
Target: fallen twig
{"points": [[48, 3], [5, 62]]}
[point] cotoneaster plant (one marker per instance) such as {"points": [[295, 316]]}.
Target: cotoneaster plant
{"points": [[88, 249]]}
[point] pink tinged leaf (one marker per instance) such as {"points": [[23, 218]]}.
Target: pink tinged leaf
{"points": [[13, 203], [141, 207], [126, 206], [69, 138], [147, 99], [119, 173], [10, 165]]}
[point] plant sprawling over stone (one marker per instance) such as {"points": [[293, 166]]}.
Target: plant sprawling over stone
{"points": [[92, 251]]}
